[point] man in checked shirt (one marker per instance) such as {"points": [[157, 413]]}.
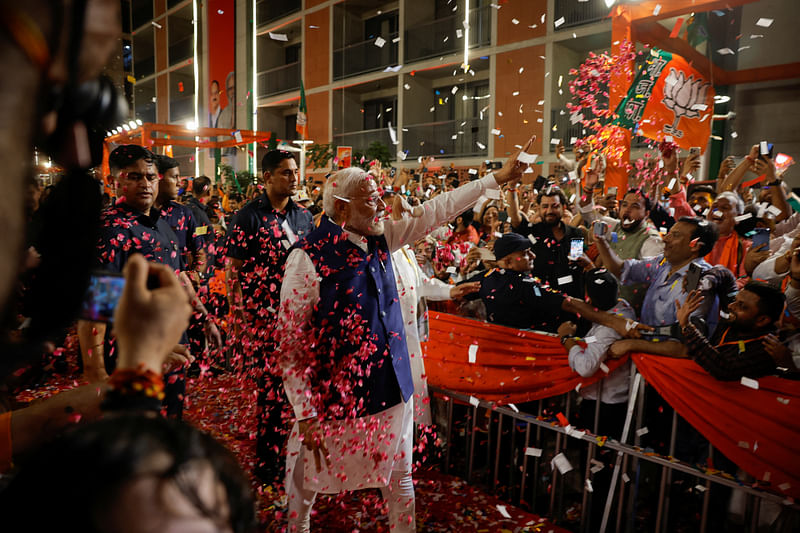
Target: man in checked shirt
{"points": [[737, 347]]}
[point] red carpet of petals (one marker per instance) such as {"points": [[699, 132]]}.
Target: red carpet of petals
{"points": [[223, 406]]}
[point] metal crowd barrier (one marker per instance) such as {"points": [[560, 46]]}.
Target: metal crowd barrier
{"points": [[625, 486]]}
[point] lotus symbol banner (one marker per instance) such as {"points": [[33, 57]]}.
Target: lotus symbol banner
{"points": [[684, 97], [666, 93]]}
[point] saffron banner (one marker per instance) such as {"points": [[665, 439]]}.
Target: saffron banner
{"points": [[511, 365], [669, 98], [758, 429]]}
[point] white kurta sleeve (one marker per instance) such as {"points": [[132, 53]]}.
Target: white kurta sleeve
{"points": [[299, 295], [437, 211]]}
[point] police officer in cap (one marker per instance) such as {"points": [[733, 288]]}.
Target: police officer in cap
{"points": [[512, 296]]}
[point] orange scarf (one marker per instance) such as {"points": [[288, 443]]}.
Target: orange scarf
{"points": [[726, 253]]}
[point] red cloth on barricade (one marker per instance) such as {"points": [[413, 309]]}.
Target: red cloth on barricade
{"points": [[511, 366], [759, 430]]}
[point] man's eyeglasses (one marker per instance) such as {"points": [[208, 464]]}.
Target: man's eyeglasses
{"points": [[136, 176]]}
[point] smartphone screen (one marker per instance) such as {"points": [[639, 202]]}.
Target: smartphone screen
{"points": [[600, 228], [575, 248], [760, 237], [102, 296], [693, 277], [694, 150], [612, 191]]}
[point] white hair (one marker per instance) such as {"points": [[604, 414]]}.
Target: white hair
{"points": [[734, 199], [342, 184]]}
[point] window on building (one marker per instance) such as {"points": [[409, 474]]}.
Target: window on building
{"points": [[144, 60], [181, 95], [379, 113], [384, 25], [141, 13], [144, 100], [181, 35], [125, 9]]}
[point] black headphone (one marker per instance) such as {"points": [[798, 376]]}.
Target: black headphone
{"points": [[94, 103]]}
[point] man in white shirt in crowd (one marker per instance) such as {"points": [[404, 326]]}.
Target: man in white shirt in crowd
{"points": [[586, 357]]}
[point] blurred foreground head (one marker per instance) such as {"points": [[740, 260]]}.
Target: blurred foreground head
{"points": [[52, 96]]}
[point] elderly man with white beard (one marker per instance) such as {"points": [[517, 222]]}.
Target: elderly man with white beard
{"points": [[345, 364]]}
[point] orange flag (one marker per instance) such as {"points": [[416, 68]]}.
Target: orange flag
{"points": [[669, 98]]}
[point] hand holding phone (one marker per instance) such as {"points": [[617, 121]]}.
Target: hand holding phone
{"points": [[575, 249], [692, 277], [760, 237], [600, 228]]}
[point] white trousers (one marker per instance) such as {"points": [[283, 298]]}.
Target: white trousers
{"points": [[399, 496]]}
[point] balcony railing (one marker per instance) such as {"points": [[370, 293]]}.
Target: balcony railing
{"points": [[360, 140], [363, 57], [578, 13], [439, 37], [279, 80], [449, 138], [269, 10]]}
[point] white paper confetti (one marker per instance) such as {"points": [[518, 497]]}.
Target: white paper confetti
{"points": [[657, 10], [527, 158], [700, 488], [474, 401], [642, 431], [589, 485], [379, 42], [561, 462], [514, 21], [564, 280], [503, 511], [603, 367], [402, 155], [764, 22], [625, 477], [559, 22], [495, 132], [533, 452], [473, 353], [725, 52], [278, 36], [747, 382]]}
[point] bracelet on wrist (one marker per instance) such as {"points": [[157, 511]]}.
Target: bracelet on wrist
{"points": [[565, 338], [134, 388]]}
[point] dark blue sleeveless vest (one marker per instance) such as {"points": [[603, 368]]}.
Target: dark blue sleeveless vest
{"points": [[359, 312]]}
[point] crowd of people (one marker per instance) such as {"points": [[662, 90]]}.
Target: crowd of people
{"points": [[316, 294]]}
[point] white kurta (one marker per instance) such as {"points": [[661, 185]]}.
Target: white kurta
{"points": [[412, 285], [363, 451]]}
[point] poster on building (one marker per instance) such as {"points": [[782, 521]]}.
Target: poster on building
{"points": [[669, 98], [344, 154], [221, 64]]}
